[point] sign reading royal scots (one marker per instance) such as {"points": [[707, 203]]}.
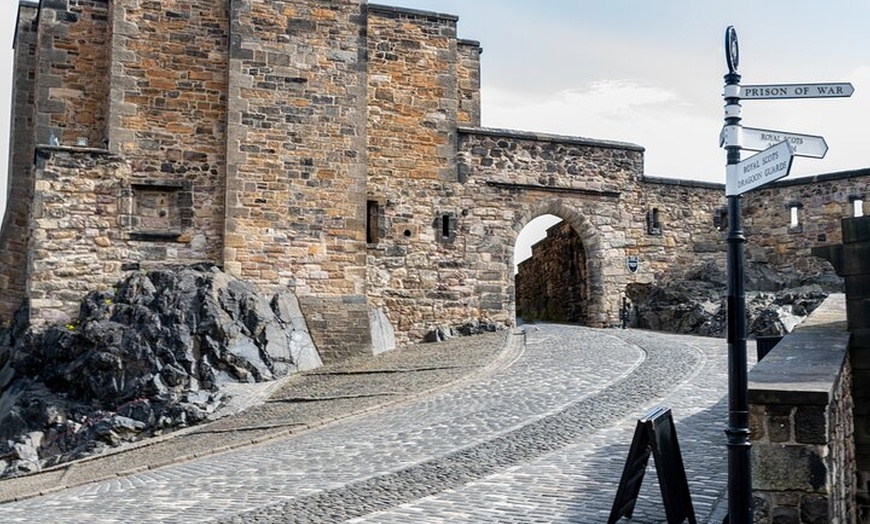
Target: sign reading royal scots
{"points": [[759, 169], [810, 146]]}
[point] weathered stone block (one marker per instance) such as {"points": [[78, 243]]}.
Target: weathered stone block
{"points": [[788, 467], [810, 425]]}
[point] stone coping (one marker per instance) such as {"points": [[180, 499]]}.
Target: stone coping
{"points": [[548, 137], [418, 13], [805, 367], [650, 179], [824, 177]]}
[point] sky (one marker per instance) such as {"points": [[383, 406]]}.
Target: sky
{"points": [[649, 73]]}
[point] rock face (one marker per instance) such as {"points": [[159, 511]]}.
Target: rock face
{"points": [[149, 357], [696, 303]]}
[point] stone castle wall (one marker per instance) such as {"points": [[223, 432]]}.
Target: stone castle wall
{"points": [[14, 231], [328, 148], [296, 149], [75, 240], [167, 115], [821, 201], [683, 226], [72, 71], [511, 178], [413, 110]]}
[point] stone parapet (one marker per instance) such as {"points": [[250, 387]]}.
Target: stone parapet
{"points": [[851, 260], [801, 423]]}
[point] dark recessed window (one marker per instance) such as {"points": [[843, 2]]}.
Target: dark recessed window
{"points": [[653, 222], [373, 221], [445, 227]]}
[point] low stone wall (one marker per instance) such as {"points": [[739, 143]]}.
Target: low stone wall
{"points": [[801, 422]]}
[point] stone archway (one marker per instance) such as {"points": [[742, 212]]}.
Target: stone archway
{"points": [[592, 289]]}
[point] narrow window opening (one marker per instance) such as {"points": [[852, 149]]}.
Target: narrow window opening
{"points": [[653, 222], [372, 221], [858, 207], [720, 219], [794, 222], [445, 227]]}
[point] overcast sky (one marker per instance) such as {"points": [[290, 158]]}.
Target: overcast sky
{"points": [[648, 72]]}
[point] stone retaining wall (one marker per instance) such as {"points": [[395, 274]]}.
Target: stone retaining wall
{"points": [[851, 259]]}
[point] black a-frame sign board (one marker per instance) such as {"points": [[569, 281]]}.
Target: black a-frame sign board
{"points": [[655, 434]]}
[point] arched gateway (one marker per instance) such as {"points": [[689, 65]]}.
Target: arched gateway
{"points": [[554, 283]]}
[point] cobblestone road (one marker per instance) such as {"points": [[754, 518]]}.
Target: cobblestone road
{"points": [[541, 437]]}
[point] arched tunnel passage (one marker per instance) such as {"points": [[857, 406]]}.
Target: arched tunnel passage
{"points": [[551, 277]]}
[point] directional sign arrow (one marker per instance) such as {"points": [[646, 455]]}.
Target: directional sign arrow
{"points": [[759, 169], [804, 145], [783, 91]]}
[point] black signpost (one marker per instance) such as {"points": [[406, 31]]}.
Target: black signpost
{"points": [[739, 474], [741, 176], [655, 435]]}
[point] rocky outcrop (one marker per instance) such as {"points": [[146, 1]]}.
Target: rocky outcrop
{"points": [[696, 303], [148, 357]]}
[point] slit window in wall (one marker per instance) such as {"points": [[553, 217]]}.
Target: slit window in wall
{"points": [[720, 218], [794, 222], [445, 227], [857, 206], [653, 222], [374, 221]]}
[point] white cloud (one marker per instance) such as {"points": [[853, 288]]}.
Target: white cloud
{"points": [[679, 143]]}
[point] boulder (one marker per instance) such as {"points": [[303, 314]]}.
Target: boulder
{"points": [[146, 358]]}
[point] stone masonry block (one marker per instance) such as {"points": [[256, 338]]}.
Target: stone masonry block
{"points": [[779, 428], [810, 425], [788, 467]]}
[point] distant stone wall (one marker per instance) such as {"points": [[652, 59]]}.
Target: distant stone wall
{"points": [[821, 202], [552, 284], [683, 226]]}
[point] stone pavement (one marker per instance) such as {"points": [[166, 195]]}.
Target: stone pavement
{"points": [[480, 429]]}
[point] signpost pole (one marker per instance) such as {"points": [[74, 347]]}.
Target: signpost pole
{"points": [[739, 473]]}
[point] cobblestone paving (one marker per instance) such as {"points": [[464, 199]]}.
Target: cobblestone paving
{"points": [[543, 439]]}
